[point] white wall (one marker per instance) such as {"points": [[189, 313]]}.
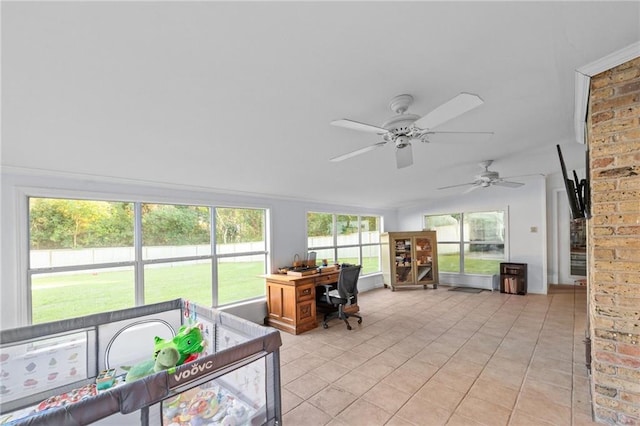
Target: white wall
{"points": [[534, 204], [526, 207], [287, 217]]}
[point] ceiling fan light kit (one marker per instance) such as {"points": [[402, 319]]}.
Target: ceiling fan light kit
{"points": [[405, 127]]}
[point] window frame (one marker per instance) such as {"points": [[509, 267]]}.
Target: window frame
{"points": [[335, 247], [464, 240], [138, 263]]}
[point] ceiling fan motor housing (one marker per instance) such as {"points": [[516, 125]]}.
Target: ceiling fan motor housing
{"points": [[401, 124], [489, 175]]}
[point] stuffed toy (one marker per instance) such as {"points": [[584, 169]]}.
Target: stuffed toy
{"points": [[166, 358], [188, 342]]}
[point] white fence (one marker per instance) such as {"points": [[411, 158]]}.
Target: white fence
{"points": [[346, 240], [69, 257]]}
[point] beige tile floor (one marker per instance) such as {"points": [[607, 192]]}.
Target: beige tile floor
{"points": [[439, 357]]}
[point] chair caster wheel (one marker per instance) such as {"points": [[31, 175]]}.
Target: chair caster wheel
{"points": [[360, 321], [348, 327], [325, 326]]}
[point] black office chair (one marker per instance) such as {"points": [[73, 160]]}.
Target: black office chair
{"points": [[344, 295]]}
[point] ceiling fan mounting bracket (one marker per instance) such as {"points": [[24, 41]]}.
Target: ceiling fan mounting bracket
{"points": [[486, 163], [401, 103], [402, 123]]}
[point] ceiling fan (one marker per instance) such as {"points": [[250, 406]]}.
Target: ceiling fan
{"points": [[404, 127], [486, 179]]}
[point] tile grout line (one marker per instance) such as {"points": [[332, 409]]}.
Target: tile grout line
{"points": [[493, 354], [452, 355], [438, 369], [551, 312], [391, 372], [553, 297]]}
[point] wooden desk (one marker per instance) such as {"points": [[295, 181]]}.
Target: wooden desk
{"points": [[291, 300]]}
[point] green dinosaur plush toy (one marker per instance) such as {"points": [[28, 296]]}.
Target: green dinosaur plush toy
{"points": [[167, 358], [188, 342]]}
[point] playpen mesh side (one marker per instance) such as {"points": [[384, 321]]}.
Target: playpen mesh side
{"points": [[254, 342]]}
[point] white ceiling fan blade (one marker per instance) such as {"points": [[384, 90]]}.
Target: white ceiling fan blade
{"points": [[431, 132], [358, 152], [429, 136], [451, 109], [355, 125], [457, 186], [473, 188], [428, 133], [404, 156], [523, 176], [508, 184]]}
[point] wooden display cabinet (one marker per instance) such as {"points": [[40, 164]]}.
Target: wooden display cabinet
{"points": [[409, 259]]}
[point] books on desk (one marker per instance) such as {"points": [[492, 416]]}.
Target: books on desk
{"points": [[308, 270], [301, 272]]}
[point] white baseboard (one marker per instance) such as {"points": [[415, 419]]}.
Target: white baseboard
{"points": [[485, 282]]}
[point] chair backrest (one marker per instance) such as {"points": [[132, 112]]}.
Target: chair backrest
{"points": [[348, 281]]}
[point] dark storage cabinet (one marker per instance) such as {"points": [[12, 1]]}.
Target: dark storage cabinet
{"points": [[513, 278]]}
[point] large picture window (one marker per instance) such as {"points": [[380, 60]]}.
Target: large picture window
{"points": [[88, 256], [340, 238], [470, 243]]}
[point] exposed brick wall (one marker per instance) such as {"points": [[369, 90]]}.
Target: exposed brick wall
{"points": [[614, 243]]}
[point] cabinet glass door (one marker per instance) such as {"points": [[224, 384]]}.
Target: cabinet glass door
{"points": [[403, 268], [424, 260]]}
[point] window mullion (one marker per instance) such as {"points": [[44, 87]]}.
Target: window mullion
{"points": [[360, 240], [335, 236], [214, 259], [461, 265], [137, 243]]}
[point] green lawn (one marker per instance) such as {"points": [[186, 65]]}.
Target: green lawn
{"points": [[64, 296], [451, 263]]}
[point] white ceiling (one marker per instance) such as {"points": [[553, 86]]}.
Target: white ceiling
{"points": [[238, 96]]}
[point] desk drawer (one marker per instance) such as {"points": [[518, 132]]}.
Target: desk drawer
{"points": [[306, 314], [327, 279], [305, 292]]}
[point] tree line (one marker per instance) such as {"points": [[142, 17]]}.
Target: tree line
{"points": [[68, 224]]}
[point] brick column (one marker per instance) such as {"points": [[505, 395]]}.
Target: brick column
{"points": [[614, 243]]}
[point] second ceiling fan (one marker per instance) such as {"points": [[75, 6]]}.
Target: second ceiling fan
{"points": [[404, 127], [488, 178]]}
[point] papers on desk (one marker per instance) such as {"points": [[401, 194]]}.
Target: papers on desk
{"points": [[301, 272]]}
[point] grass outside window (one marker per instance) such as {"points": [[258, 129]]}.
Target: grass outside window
{"points": [[63, 296]]}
